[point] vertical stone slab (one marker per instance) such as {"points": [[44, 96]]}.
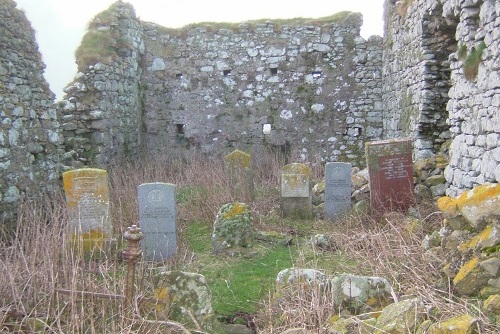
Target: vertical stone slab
{"points": [[157, 220], [87, 200], [238, 165], [338, 189], [390, 166], [296, 200]]}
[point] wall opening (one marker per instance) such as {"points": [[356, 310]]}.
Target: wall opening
{"points": [[178, 75], [180, 128], [273, 70], [316, 74], [226, 73]]}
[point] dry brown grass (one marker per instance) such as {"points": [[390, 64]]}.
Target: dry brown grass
{"points": [[36, 260]]}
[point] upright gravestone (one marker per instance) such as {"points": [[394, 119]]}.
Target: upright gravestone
{"points": [[390, 166], [238, 165], [338, 190], [157, 220], [296, 200], [87, 199]]}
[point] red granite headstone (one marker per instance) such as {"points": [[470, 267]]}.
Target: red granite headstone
{"points": [[390, 166]]}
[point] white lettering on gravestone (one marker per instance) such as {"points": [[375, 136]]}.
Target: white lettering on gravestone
{"points": [[157, 220], [337, 188]]}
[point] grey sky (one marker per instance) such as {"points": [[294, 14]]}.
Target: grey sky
{"points": [[60, 24]]}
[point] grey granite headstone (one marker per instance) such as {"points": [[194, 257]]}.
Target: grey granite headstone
{"points": [[337, 188], [157, 220]]}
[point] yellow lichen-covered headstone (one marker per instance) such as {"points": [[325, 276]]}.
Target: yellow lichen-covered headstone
{"points": [[87, 199], [238, 165]]}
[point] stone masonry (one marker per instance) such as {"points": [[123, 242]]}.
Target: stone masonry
{"points": [[322, 88]]}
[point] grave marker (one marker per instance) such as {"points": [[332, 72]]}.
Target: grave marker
{"points": [[157, 220], [390, 166], [87, 200], [338, 190], [296, 200], [238, 164]]}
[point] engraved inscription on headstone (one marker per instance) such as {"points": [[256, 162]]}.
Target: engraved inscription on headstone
{"points": [[295, 191], [157, 220], [390, 166], [337, 188], [87, 199]]}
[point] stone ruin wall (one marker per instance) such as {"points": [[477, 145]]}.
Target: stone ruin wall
{"points": [[212, 87], [323, 88], [426, 95], [30, 140]]}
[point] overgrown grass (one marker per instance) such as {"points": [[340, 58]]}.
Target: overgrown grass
{"points": [[36, 263], [471, 63]]}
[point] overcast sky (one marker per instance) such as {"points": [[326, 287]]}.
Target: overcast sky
{"points": [[60, 24]]}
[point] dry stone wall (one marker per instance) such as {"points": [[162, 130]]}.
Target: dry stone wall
{"points": [[30, 138], [213, 87], [474, 102], [101, 114], [322, 89], [432, 93]]}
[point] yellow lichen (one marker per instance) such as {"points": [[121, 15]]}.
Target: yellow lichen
{"points": [[447, 205], [297, 168], [162, 295], [465, 270], [239, 158], [90, 241], [484, 235], [237, 209], [478, 195], [464, 324], [96, 180]]}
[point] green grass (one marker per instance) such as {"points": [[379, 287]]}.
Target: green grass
{"points": [[471, 63], [239, 284]]}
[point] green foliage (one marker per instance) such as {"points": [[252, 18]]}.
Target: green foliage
{"points": [[96, 46], [471, 63], [462, 52]]}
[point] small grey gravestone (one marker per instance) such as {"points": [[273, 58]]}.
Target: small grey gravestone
{"points": [[157, 220], [338, 190]]}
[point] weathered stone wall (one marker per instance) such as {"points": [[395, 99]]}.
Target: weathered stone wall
{"points": [[30, 138], [474, 104], [212, 87], [416, 70], [429, 93], [101, 114]]}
